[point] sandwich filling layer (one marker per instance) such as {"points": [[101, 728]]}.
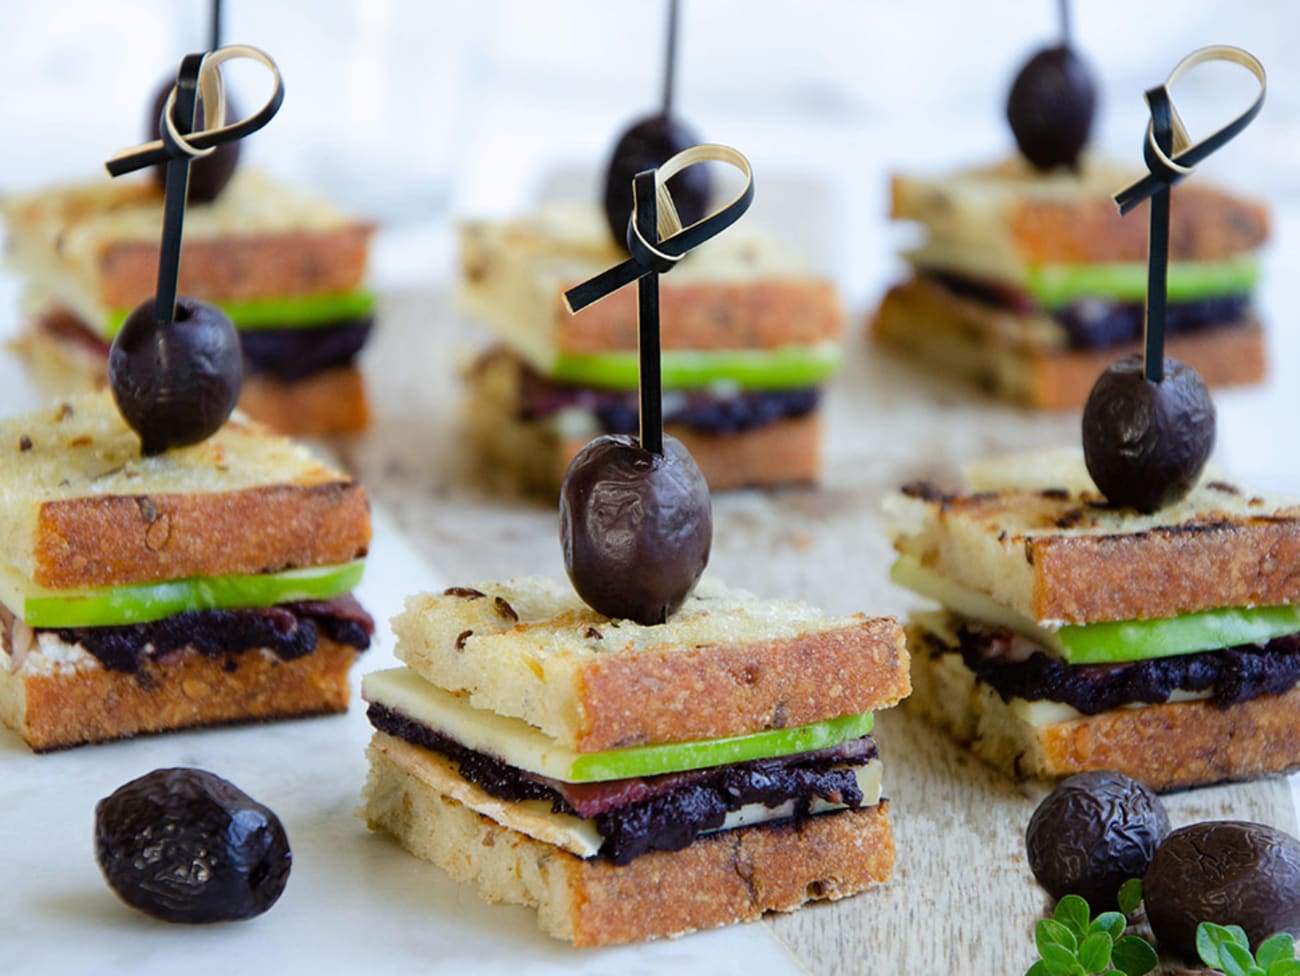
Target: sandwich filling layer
{"points": [[622, 819]]}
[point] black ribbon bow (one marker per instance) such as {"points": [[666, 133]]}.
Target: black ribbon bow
{"points": [[656, 241]]}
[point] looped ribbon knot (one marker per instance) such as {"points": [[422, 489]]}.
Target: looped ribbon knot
{"points": [[1169, 153], [200, 74], [656, 239]]}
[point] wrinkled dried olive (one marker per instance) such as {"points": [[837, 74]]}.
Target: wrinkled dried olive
{"points": [[208, 174], [1050, 107], [646, 144], [184, 845]]}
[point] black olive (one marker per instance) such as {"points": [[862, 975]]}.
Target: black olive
{"points": [[175, 384], [646, 144], [1224, 871], [1050, 107], [184, 845], [1092, 833], [635, 527], [208, 174], [1146, 443]]}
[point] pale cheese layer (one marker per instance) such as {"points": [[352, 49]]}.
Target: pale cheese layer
{"points": [[574, 834]]}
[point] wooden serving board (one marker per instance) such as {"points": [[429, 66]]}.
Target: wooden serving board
{"points": [[963, 900]]}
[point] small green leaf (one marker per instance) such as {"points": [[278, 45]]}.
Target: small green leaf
{"points": [[1208, 939], [1038, 969], [1239, 935], [1130, 895], [1059, 960], [1074, 912], [1236, 960], [1094, 952], [1112, 923], [1275, 948], [1050, 932], [1285, 967], [1133, 956]]}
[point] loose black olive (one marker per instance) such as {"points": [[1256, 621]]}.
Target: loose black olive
{"points": [[208, 174], [635, 527], [1224, 871], [1092, 833], [175, 384], [184, 845], [1146, 443], [1050, 107], [647, 143]]}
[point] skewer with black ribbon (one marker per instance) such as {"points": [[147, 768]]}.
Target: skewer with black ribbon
{"points": [[635, 518], [1149, 423], [175, 366]]}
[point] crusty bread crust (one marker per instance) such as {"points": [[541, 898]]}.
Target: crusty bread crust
{"points": [[238, 267], [720, 879], [1167, 746], [1004, 354], [330, 402], [717, 315], [1054, 220], [111, 540], [76, 707], [534, 456], [324, 404]]}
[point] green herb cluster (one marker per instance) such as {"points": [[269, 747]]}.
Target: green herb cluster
{"points": [[1227, 949], [1073, 943]]}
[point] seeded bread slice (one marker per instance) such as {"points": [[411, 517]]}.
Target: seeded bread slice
{"points": [[1167, 746], [725, 664], [80, 507], [739, 291], [720, 879], [1023, 358], [996, 221], [1061, 555]]}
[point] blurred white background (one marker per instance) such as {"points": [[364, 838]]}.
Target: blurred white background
{"points": [[405, 108]]}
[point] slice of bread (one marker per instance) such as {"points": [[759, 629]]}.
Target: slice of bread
{"points": [[1023, 358], [739, 291], [1066, 556], [725, 664], [720, 879], [1167, 746], [80, 508], [95, 246], [996, 221], [534, 454], [55, 705]]}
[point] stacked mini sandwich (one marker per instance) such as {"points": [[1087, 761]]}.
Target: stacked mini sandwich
{"points": [[204, 585], [1076, 636], [635, 782], [1029, 284], [749, 337], [287, 267]]}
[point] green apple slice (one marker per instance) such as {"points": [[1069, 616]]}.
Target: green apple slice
{"points": [[525, 747], [283, 312], [787, 368], [1054, 285], [1109, 642], [144, 602]]}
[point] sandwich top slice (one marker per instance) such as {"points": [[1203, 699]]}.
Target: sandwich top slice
{"points": [[749, 336], [206, 584], [285, 265], [1032, 282], [1077, 636], [610, 774]]}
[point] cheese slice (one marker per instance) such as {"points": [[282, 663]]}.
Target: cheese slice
{"points": [[526, 747], [574, 834]]}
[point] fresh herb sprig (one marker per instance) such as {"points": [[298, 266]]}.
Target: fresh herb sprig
{"points": [[1073, 943], [1226, 948]]}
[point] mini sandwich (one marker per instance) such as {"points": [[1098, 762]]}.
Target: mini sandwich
{"points": [[287, 267], [749, 337], [1077, 637], [634, 782], [1029, 284], [205, 585]]}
